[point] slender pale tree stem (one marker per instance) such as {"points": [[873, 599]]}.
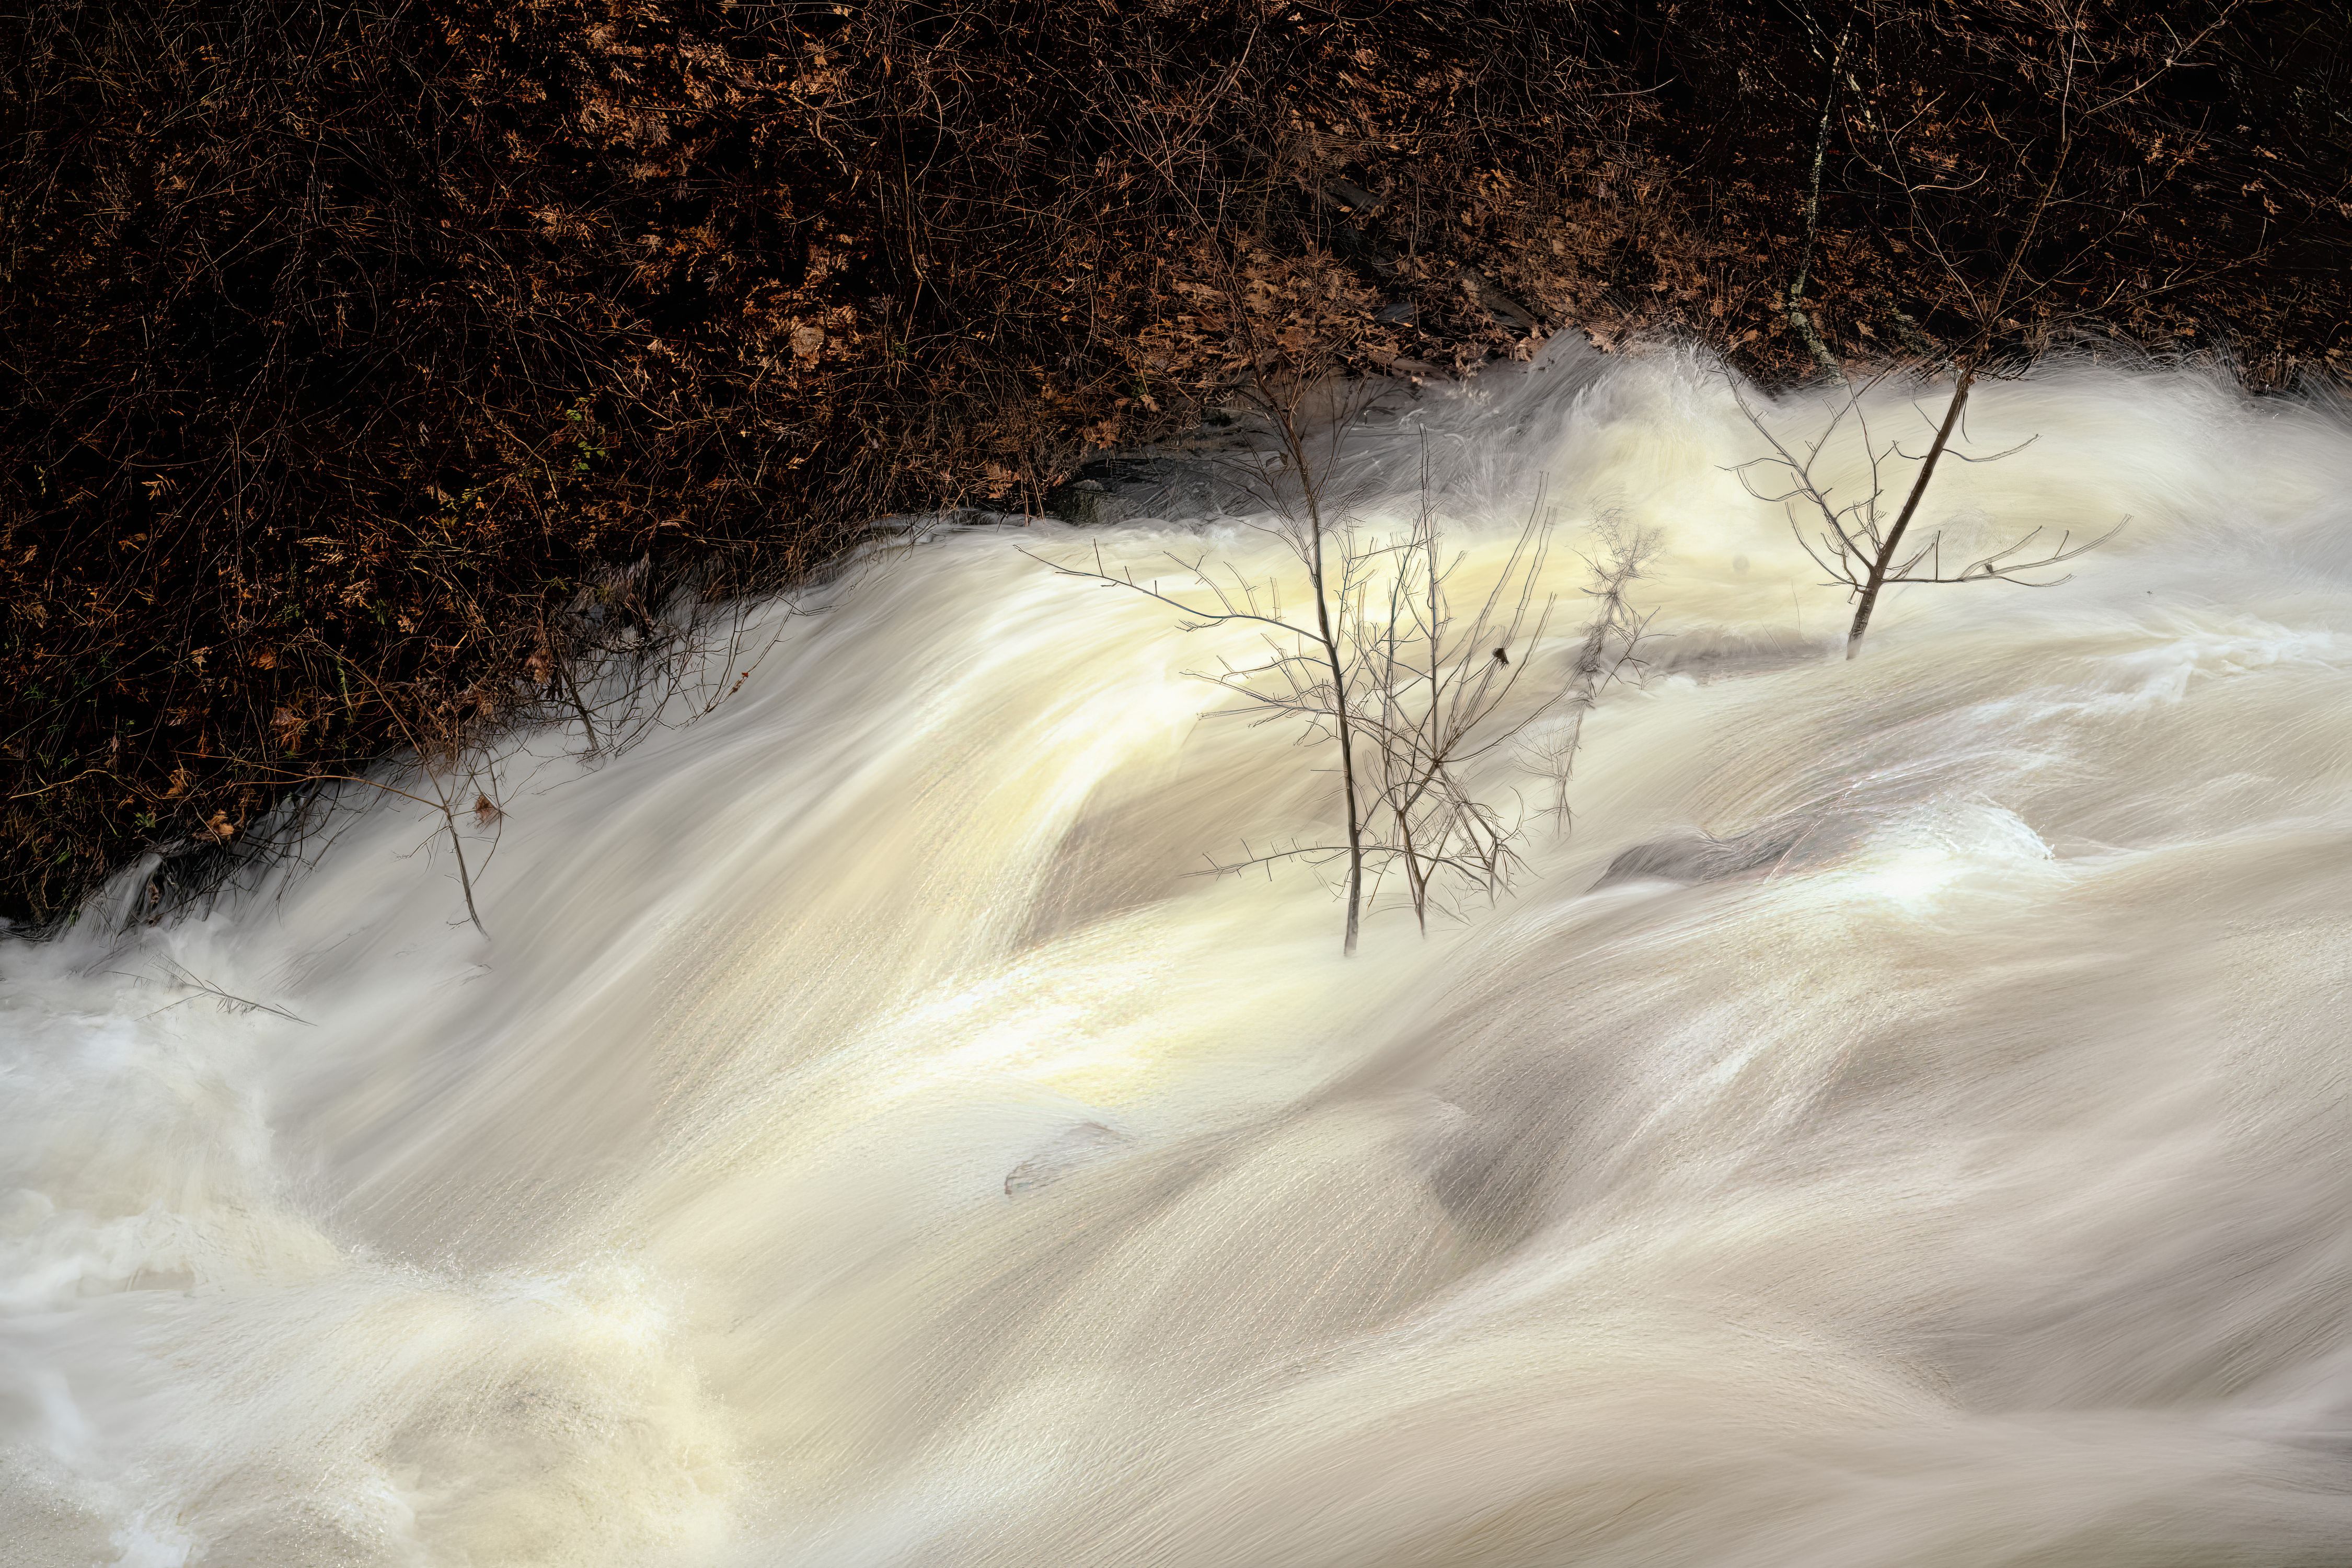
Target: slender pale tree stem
{"points": [[1795, 297]]}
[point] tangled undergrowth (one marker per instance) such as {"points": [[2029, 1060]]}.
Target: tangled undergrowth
{"points": [[367, 366]]}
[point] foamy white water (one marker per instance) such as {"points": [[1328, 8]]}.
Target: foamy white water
{"points": [[860, 1141]]}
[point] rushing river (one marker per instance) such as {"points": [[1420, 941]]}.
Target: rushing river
{"points": [[863, 1140]]}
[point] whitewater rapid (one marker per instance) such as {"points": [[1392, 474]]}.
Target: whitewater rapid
{"points": [[861, 1140]]}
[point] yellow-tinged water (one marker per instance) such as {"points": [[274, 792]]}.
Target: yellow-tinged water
{"points": [[861, 1141]]}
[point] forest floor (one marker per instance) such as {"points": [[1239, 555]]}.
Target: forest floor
{"points": [[368, 369]]}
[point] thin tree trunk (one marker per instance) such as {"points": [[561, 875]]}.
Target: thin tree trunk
{"points": [[1436, 685], [572, 689], [465, 882], [1347, 733], [1794, 299], [1415, 878], [1880, 567], [1992, 319]]}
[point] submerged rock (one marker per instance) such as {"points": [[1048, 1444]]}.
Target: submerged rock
{"points": [[1081, 1145]]}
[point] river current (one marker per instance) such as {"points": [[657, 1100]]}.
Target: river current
{"points": [[1904, 1119]]}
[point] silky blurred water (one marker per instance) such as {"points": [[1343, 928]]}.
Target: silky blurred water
{"points": [[861, 1140]]}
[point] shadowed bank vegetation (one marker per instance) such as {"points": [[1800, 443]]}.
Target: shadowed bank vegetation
{"points": [[363, 366]]}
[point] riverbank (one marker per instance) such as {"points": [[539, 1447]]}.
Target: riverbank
{"points": [[370, 370]]}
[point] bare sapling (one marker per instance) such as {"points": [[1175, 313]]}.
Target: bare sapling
{"points": [[450, 769], [1852, 540], [1611, 646], [1378, 665], [1432, 691], [1444, 694], [449, 797], [448, 779], [1312, 648]]}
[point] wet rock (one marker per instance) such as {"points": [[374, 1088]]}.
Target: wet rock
{"points": [[1787, 840], [1086, 502], [1080, 1145]]}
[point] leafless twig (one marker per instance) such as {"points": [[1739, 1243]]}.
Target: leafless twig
{"points": [[1412, 692], [228, 1000]]}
